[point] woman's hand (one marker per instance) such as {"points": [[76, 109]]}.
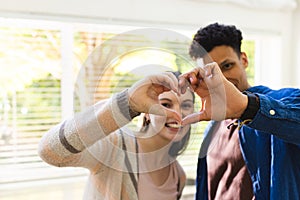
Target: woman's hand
{"points": [[143, 95]]}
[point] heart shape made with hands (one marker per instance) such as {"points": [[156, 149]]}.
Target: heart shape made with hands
{"points": [[220, 99], [209, 83]]}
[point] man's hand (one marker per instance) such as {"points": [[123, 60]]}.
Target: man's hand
{"points": [[220, 98]]}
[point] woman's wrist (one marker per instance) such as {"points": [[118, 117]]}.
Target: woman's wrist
{"points": [[124, 106]]}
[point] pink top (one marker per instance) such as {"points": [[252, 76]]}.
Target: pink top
{"points": [[147, 190]]}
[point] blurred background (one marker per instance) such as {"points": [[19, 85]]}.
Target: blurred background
{"points": [[52, 54]]}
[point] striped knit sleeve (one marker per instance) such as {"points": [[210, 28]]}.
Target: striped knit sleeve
{"points": [[69, 138]]}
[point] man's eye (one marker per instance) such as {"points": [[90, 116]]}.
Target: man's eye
{"points": [[227, 66]]}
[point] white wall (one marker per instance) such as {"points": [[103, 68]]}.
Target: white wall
{"points": [[295, 47], [185, 14]]}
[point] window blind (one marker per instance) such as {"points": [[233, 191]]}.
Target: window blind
{"points": [[31, 88], [31, 102]]}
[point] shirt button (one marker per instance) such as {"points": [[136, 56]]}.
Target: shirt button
{"points": [[272, 112]]}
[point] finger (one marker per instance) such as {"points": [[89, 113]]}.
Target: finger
{"points": [[188, 79], [183, 83], [173, 114], [158, 109], [197, 75], [192, 118], [208, 69], [211, 69], [167, 80], [192, 77]]}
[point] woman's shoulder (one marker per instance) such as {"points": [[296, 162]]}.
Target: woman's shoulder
{"points": [[181, 177], [179, 168]]}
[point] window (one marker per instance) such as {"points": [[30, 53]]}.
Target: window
{"points": [[248, 46], [30, 101], [50, 70]]}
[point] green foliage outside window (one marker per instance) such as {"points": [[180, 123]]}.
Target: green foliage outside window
{"points": [[30, 101], [248, 46]]}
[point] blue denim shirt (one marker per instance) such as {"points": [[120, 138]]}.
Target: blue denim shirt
{"points": [[270, 145]]}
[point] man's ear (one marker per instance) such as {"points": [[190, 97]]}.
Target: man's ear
{"points": [[244, 59]]}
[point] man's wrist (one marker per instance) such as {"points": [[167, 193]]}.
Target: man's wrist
{"points": [[252, 106]]}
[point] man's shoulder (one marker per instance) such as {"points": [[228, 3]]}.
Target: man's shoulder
{"points": [[259, 89], [268, 91]]}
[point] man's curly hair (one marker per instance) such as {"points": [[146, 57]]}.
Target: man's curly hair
{"points": [[215, 35]]}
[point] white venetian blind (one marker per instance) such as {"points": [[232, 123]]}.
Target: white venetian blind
{"points": [[32, 82], [30, 59], [30, 85]]}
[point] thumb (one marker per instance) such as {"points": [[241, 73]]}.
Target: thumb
{"points": [[158, 109], [192, 118]]}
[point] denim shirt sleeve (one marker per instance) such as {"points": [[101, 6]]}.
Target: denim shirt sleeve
{"points": [[280, 117]]}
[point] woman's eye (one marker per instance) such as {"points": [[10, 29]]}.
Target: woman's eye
{"points": [[186, 106], [167, 105]]}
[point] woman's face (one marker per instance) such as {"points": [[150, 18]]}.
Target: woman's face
{"points": [[166, 127]]}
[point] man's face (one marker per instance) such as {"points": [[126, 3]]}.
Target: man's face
{"points": [[231, 65]]}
